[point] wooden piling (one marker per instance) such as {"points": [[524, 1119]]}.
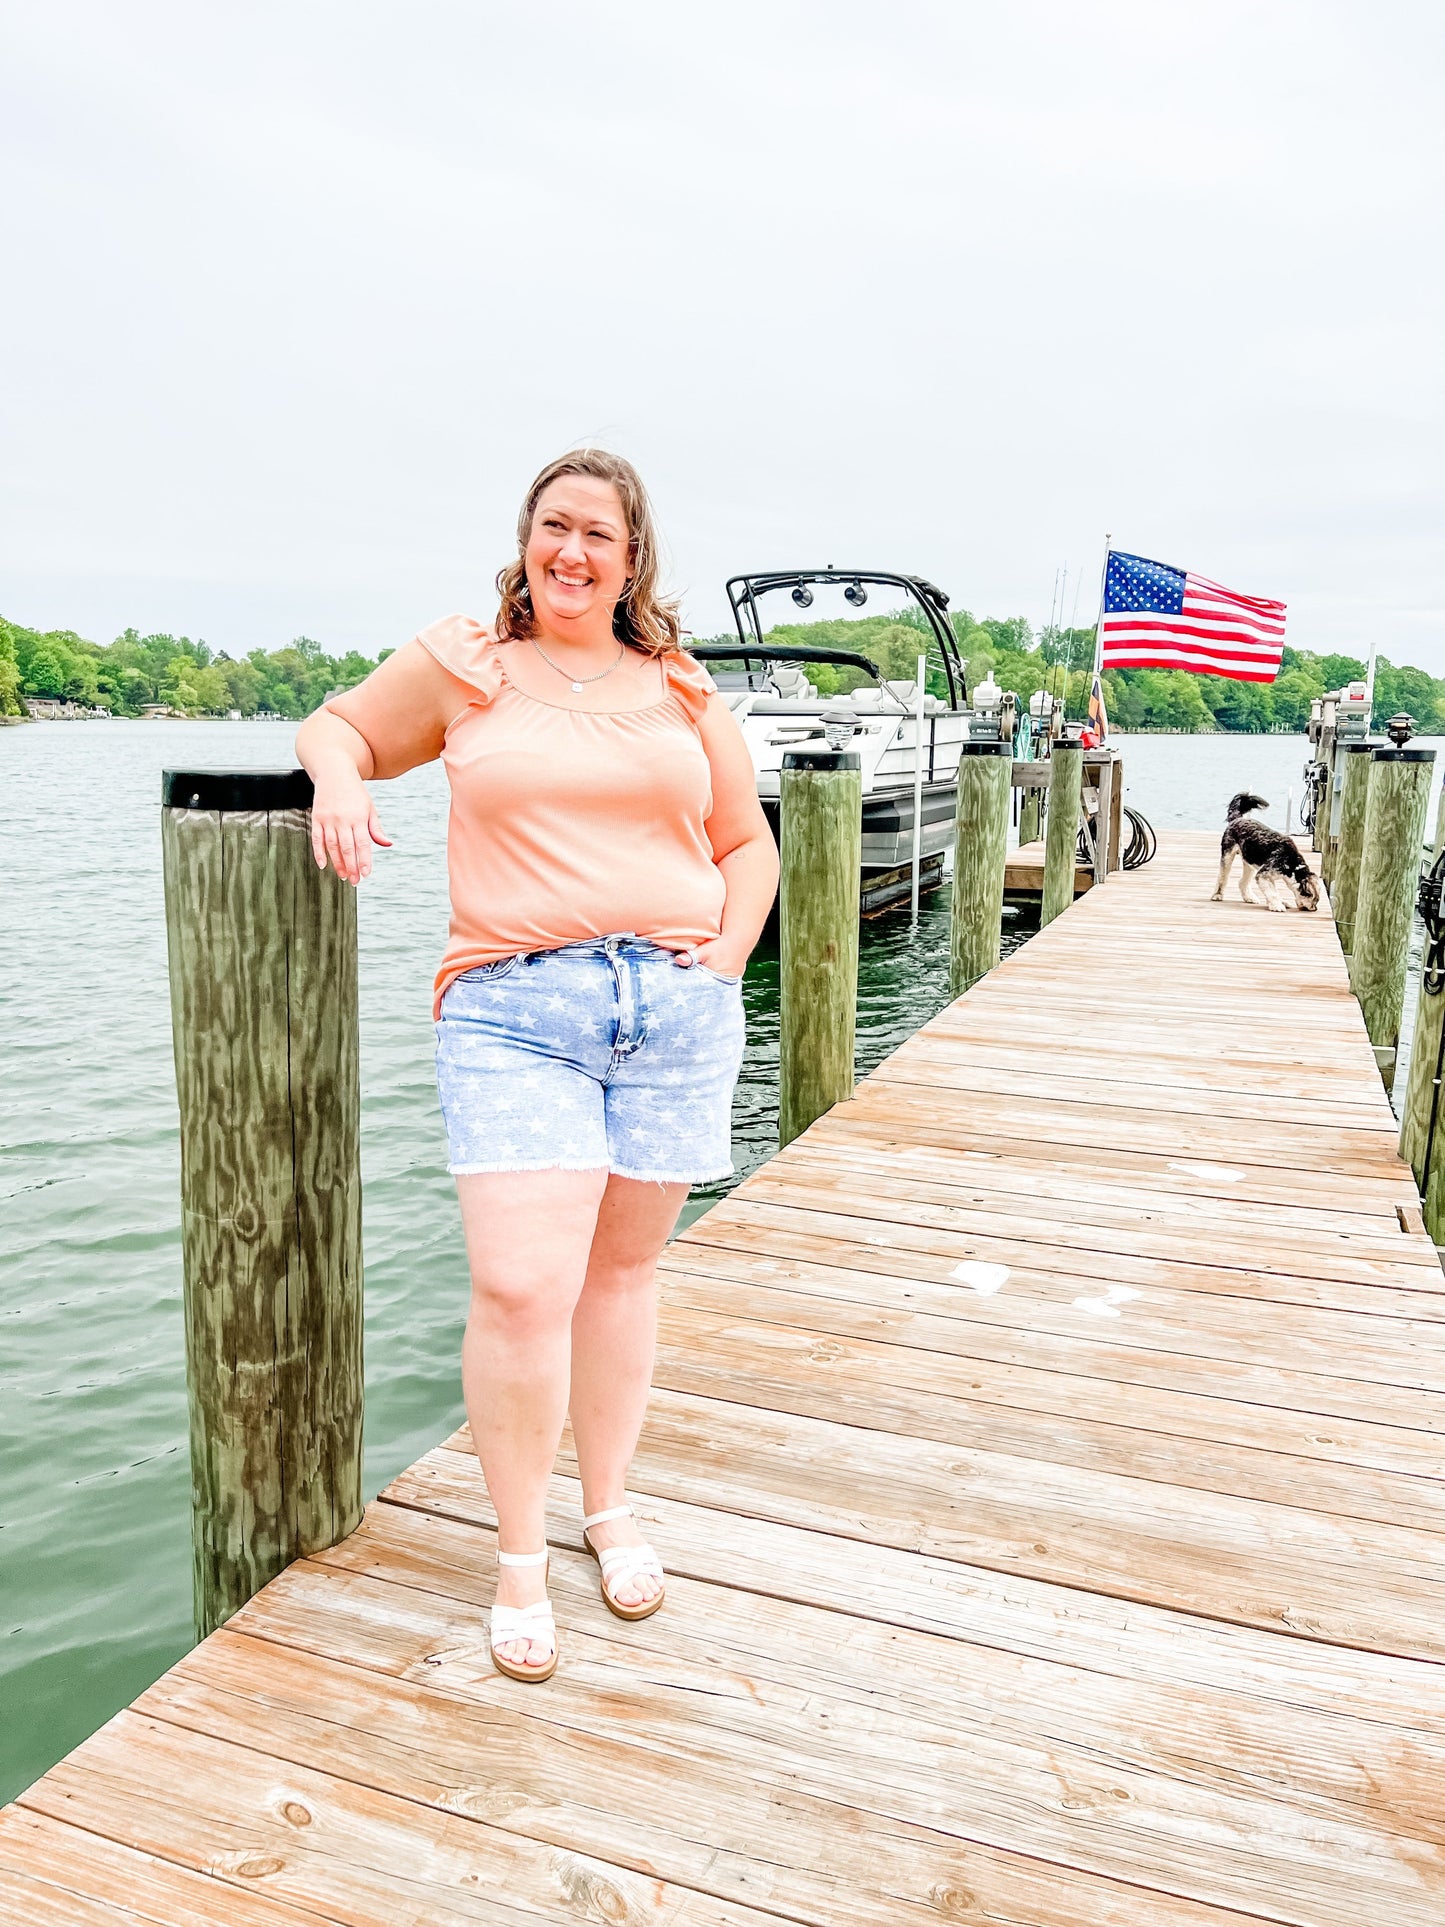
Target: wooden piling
{"points": [[1422, 1114], [821, 847], [264, 1017], [980, 851], [1103, 816], [1399, 791], [1116, 816], [1061, 834], [1329, 841], [1031, 815], [1323, 742], [1354, 793]]}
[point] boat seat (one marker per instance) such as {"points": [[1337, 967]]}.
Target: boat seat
{"points": [[792, 684]]}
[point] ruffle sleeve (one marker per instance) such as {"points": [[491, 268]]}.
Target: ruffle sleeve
{"points": [[468, 649], [688, 681]]}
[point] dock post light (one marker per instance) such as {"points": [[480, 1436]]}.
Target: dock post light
{"points": [[839, 726]]}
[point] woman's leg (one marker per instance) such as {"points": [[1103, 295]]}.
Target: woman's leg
{"points": [[528, 1237], [614, 1337]]}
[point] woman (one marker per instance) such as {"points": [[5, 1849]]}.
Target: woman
{"points": [[610, 870]]}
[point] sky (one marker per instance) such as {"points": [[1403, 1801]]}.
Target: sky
{"points": [[299, 297]]}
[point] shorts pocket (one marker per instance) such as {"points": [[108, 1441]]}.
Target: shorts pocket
{"points": [[716, 975], [489, 972]]}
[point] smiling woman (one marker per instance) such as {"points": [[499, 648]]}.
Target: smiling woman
{"points": [[591, 542], [610, 870]]}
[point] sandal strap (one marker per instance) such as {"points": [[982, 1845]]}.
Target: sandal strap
{"points": [[523, 1622], [522, 1558], [612, 1512], [621, 1563]]}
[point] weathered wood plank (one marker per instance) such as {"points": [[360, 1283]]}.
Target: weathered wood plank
{"points": [[1178, 1307], [55, 1875], [434, 1733], [1398, 1261], [1197, 1552], [820, 1341], [1404, 1431], [345, 1851], [777, 1696], [436, 1551]]}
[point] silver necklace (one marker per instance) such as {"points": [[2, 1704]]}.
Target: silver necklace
{"points": [[579, 685]]}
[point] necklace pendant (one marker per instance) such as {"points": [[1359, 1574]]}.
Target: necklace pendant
{"points": [[577, 688]]}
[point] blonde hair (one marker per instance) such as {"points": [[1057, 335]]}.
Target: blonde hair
{"points": [[643, 617]]}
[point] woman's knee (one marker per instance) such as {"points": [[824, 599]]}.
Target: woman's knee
{"points": [[619, 1277], [523, 1308]]}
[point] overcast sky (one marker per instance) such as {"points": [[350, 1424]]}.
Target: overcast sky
{"points": [[299, 297]]}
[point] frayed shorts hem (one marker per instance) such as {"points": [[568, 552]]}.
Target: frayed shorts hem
{"points": [[615, 1170], [672, 1177], [540, 1164]]}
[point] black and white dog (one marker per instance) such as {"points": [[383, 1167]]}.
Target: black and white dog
{"points": [[1286, 881]]}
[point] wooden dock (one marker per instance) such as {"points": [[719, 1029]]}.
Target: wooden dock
{"points": [[1023, 872], [1046, 1453]]}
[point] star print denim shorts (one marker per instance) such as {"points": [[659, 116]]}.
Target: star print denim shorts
{"points": [[601, 1055]]}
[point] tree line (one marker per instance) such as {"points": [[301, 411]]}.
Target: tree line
{"points": [[130, 674], [135, 672], [1062, 661]]}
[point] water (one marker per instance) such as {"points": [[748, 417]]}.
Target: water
{"points": [[94, 1486]]}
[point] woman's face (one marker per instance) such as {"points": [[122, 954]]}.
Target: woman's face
{"points": [[577, 557]]}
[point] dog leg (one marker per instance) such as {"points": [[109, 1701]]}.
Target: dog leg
{"points": [[1226, 864], [1247, 875], [1273, 888]]}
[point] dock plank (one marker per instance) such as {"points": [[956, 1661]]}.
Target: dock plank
{"points": [[1045, 1454], [780, 1698]]}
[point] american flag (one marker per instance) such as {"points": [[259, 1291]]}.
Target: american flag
{"points": [[1156, 617]]}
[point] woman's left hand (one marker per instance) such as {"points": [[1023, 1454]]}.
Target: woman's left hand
{"points": [[716, 954]]}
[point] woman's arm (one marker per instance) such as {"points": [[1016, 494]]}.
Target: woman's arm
{"points": [[344, 822], [389, 723], [742, 844]]}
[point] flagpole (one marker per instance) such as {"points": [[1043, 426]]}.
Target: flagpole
{"points": [[1103, 588], [1370, 687], [1062, 589]]}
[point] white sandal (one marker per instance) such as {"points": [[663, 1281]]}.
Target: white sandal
{"points": [[524, 1622], [621, 1563]]}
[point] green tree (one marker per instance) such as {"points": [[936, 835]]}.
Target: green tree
{"points": [[1336, 671], [48, 671], [1293, 692], [10, 700]]}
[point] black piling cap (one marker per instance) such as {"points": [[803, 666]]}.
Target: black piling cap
{"points": [[986, 748], [236, 789], [1404, 755], [822, 759]]}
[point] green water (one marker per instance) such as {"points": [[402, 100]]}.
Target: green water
{"points": [[94, 1484]]}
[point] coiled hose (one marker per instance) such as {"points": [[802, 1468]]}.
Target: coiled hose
{"points": [[1141, 847]]}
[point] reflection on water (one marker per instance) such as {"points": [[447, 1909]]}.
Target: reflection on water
{"points": [[94, 1484]]}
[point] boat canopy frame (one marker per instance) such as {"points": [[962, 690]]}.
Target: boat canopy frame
{"points": [[745, 590]]}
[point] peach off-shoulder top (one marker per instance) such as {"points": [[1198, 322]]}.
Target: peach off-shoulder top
{"points": [[566, 823]]}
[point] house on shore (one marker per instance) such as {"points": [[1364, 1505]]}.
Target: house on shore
{"points": [[60, 709]]}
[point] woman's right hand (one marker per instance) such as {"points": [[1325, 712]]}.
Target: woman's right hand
{"points": [[344, 826]]}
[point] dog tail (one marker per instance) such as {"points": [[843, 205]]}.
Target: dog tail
{"points": [[1243, 803]]}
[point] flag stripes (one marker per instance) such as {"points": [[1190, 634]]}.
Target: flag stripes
{"points": [[1159, 617]]}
